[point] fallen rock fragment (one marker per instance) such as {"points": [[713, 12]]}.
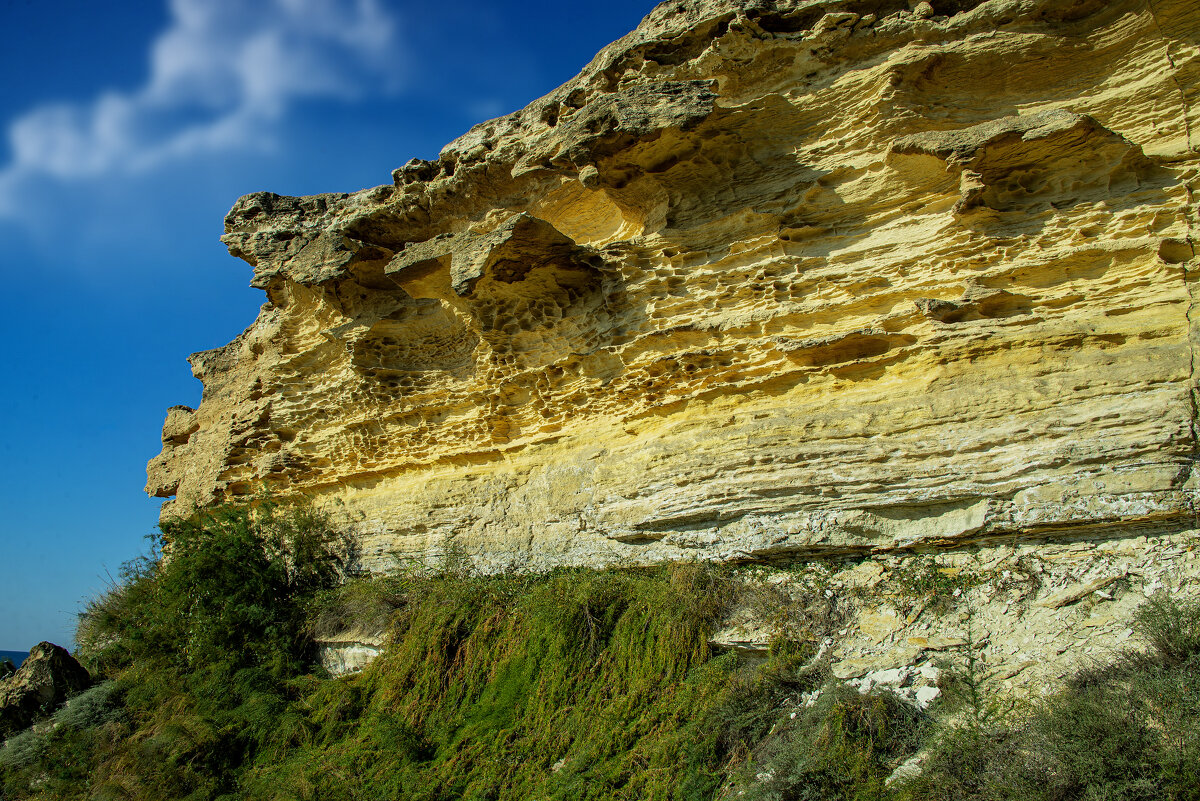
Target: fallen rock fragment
{"points": [[46, 679], [1079, 591]]}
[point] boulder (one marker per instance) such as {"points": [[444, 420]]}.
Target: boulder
{"points": [[44, 681]]}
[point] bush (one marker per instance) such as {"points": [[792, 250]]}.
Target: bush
{"points": [[22, 750], [1170, 628], [844, 746], [203, 649], [1129, 731], [756, 697], [365, 604], [231, 593]]}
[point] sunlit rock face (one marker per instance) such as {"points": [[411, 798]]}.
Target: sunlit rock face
{"points": [[765, 279]]}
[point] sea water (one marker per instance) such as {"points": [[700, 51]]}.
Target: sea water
{"points": [[17, 657]]}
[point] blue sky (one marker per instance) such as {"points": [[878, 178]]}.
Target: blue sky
{"points": [[129, 129]]}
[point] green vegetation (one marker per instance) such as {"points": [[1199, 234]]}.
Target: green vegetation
{"points": [[1129, 731], [205, 650], [572, 685], [927, 581], [844, 746]]}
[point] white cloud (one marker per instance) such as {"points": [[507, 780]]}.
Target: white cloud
{"points": [[221, 75]]}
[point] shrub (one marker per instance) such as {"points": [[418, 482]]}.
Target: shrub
{"points": [[1128, 731], [1170, 628], [365, 604], [231, 593], [843, 746], [574, 685], [203, 648], [938, 585]]}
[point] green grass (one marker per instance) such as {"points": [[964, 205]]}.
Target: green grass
{"points": [[578, 684]]}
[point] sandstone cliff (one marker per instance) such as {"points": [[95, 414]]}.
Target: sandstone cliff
{"points": [[768, 278]]}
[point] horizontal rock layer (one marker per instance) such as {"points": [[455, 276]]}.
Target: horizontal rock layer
{"points": [[767, 278], [1026, 613]]}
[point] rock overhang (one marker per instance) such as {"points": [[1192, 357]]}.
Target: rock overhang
{"points": [[765, 279]]}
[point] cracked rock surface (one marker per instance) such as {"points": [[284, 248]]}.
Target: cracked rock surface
{"points": [[768, 279]]}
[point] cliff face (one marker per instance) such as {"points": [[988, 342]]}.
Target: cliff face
{"points": [[766, 278]]}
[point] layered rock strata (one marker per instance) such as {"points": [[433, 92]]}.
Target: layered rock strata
{"points": [[1020, 615], [769, 278]]}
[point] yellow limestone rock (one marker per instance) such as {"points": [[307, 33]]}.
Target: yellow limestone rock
{"points": [[765, 279]]}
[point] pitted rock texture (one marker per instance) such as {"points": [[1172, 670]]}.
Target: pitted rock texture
{"points": [[768, 278]]}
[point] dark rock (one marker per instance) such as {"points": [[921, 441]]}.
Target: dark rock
{"points": [[44, 681]]}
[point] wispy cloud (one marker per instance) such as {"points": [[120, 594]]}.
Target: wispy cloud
{"points": [[221, 76]]}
